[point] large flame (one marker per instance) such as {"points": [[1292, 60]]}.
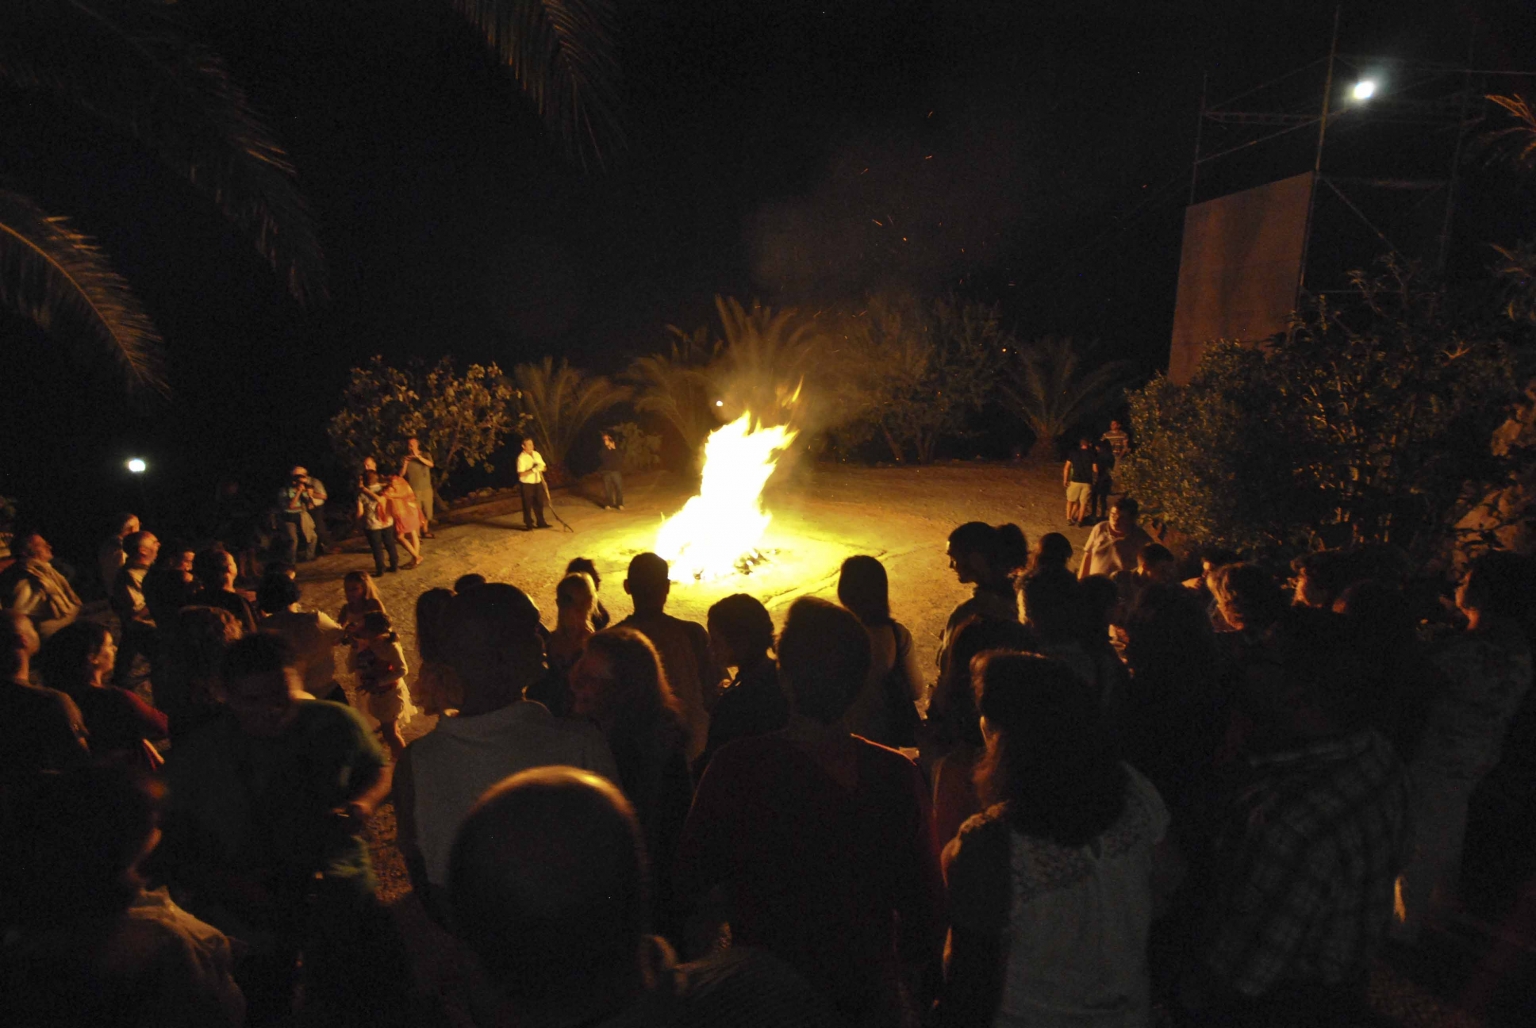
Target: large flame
{"points": [[722, 525]]}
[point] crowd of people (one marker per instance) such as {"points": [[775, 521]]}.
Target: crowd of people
{"points": [[1121, 797]]}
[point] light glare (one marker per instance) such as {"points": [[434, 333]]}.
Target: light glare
{"points": [[1365, 89], [137, 465]]}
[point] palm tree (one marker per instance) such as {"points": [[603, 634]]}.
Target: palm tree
{"points": [[560, 401], [130, 67], [675, 385], [1054, 383], [764, 359]]}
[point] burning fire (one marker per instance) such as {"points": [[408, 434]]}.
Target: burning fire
{"points": [[719, 528]]}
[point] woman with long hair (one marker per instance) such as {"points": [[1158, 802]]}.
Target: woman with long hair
{"points": [[885, 710], [619, 684], [403, 506], [1052, 890], [575, 598], [77, 660], [584, 566]]}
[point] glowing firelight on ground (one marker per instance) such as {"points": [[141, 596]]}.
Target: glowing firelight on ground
{"points": [[722, 525]]}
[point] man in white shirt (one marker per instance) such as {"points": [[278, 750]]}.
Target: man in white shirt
{"points": [[1114, 545], [494, 648], [530, 479]]}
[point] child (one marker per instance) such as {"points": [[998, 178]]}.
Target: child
{"points": [[362, 598], [380, 666]]}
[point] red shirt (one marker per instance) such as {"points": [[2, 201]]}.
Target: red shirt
{"points": [[841, 884]]}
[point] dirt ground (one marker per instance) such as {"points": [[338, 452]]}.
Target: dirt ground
{"points": [[821, 515]]}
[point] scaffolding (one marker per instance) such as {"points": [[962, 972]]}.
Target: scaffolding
{"points": [[1384, 160]]}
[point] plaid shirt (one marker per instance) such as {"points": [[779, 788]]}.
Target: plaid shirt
{"points": [[1306, 864]]}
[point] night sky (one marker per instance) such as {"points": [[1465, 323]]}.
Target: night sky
{"points": [[803, 153]]}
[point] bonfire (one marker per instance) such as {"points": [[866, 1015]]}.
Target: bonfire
{"points": [[718, 531]]}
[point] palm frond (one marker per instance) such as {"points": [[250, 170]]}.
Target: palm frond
{"points": [[132, 67], [561, 52], [1522, 133], [1054, 383], [60, 279], [560, 401], [675, 385]]}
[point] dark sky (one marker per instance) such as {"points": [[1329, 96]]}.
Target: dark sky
{"points": [[1029, 153]]}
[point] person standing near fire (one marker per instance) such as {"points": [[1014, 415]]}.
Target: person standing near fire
{"points": [[612, 466], [530, 480], [417, 472]]}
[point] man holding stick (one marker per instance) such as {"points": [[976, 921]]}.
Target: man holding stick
{"points": [[530, 481]]}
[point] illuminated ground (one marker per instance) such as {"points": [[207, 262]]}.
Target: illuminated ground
{"points": [[821, 515]]}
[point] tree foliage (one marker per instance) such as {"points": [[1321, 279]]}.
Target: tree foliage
{"points": [[641, 449], [1368, 422], [459, 419], [916, 370], [559, 401], [676, 386], [1055, 383], [763, 362]]}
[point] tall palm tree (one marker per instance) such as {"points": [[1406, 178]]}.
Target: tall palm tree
{"points": [[560, 401], [1054, 383], [130, 67], [675, 385]]}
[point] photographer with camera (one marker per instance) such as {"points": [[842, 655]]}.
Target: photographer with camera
{"points": [[299, 503]]}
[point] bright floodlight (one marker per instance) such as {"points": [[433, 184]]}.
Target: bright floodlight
{"points": [[719, 403], [137, 465], [1365, 89]]}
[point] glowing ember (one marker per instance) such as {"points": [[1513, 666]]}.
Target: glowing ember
{"points": [[718, 530]]}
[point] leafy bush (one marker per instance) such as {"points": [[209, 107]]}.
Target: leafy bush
{"points": [[641, 449], [459, 419], [1369, 423]]}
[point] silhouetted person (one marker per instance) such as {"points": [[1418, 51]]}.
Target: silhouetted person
{"points": [[88, 943], [265, 834], [138, 637], [754, 702], [1488, 673], [989, 558], [548, 876], [821, 839], [110, 557], [1077, 480], [884, 711], [494, 649], [44, 729], [618, 684], [1052, 890], [683, 645], [611, 463], [1309, 844]]}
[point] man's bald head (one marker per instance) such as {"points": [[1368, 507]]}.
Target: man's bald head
{"points": [[493, 645], [548, 886]]}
